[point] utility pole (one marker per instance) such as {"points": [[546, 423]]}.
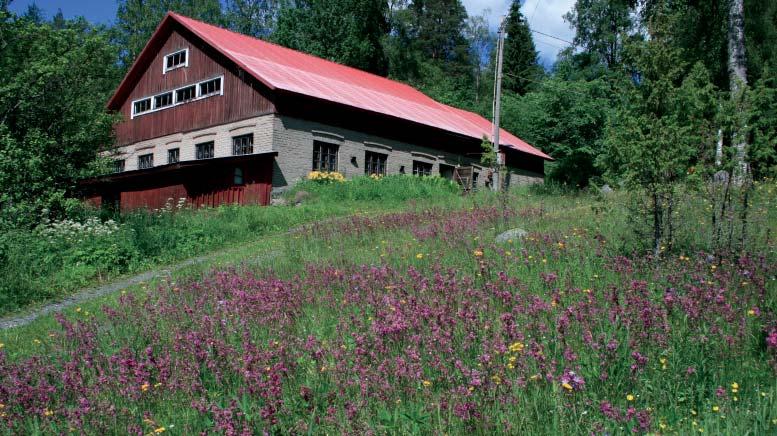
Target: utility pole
{"points": [[496, 183]]}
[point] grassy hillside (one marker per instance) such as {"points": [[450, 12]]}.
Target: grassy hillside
{"points": [[60, 257], [418, 321]]}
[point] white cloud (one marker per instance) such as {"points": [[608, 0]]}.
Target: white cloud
{"points": [[543, 15]]}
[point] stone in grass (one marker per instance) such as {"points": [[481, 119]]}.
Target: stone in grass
{"points": [[606, 189], [512, 234]]}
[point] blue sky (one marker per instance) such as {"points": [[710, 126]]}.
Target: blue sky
{"points": [[543, 15]]}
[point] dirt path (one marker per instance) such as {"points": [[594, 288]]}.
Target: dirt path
{"points": [[91, 293]]}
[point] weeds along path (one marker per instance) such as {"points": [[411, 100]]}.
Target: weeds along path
{"points": [[95, 292], [91, 292]]}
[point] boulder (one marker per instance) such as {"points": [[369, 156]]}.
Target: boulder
{"points": [[512, 234]]}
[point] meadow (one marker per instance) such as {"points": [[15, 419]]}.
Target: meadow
{"points": [[59, 257], [416, 321]]}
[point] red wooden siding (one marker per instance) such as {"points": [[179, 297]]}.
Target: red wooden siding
{"points": [[201, 183], [242, 98]]}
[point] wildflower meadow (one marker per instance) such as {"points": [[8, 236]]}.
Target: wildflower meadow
{"points": [[419, 322]]}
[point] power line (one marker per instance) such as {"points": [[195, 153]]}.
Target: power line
{"points": [[535, 11], [552, 36]]}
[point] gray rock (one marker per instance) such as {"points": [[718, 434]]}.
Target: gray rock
{"points": [[512, 234], [280, 201], [606, 189]]}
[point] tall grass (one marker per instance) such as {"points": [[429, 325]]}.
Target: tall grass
{"points": [[35, 268], [418, 322]]}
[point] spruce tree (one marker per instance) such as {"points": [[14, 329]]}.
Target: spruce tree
{"points": [[346, 31], [521, 70]]}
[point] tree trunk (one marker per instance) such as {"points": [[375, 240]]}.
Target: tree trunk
{"points": [[737, 72]]}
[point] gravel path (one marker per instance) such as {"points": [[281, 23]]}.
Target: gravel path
{"points": [[91, 293]]}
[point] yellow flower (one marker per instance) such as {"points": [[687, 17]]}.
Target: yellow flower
{"points": [[36, 341], [47, 412], [715, 409], [516, 347], [544, 260], [78, 309], [419, 256], [2, 345], [566, 386], [630, 397], [427, 383], [478, 253], [157, 385], [693, 412], [751, 312], [496, 379], [159, 430], [144, 387]]}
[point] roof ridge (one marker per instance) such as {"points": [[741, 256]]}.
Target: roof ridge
{"points": [[299, 52]]}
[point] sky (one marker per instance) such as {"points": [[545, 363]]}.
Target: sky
{"points": [[544, 16]]}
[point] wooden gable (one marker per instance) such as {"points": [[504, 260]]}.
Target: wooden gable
{"points": [[243, 97]]}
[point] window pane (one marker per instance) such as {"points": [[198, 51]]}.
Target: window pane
{"points": [[205, 150], [185, 94], [145, 161], [243, 144], [324, 156], [173, 155], [163, 100], [375, 163]]}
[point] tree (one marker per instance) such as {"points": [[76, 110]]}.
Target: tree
{"points": [[438, 30], [737, 69], [658, 133], [252, 17], [480, 41], [52, 112], [321, 28], [601, 27], [567, 119], [136, 20], [521, 70]]}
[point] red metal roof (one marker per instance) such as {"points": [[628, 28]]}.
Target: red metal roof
{"points": [[281, 68]]}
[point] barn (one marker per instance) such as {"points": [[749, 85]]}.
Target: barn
{"points": [[218, 117]]}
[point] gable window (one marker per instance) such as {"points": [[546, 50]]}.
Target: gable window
{"points": [[243, 144], [141, 106], [324, 156], [204, 150], [375, 163], [177, 60], [185, 94], [145, 161], [210, 87], [118, 165], [422, 168], [163, 100], [173, 155]]}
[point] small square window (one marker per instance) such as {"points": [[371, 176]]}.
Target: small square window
{"points": [[173, 155], [118, 165], [238, 176], [422, 168], [375, 163], [324, 156], [141, 106], [176, 60], [210, 87], [185, 94], [145, 161], [163, 100], [243, 144], [204, 150]]}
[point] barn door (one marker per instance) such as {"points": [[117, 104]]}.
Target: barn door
{"points": [[463, 176]]}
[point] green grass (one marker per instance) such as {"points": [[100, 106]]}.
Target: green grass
{"points": [[35, 269], [581, 239]]}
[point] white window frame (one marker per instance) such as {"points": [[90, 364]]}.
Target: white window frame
{"points": [[197, 96], [183, 65], [150, 104]]}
